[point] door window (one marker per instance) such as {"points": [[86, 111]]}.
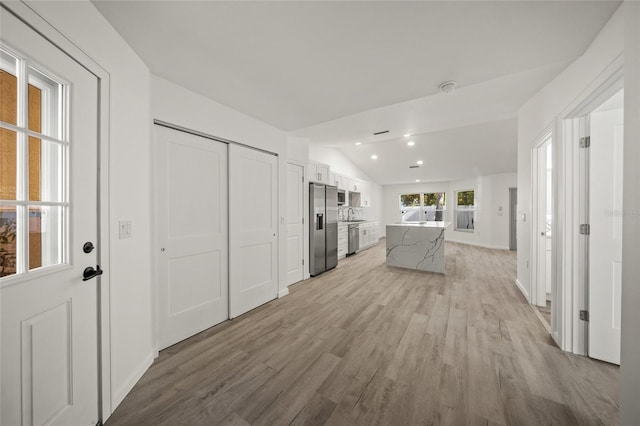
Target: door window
{"points": [[33, 167], [465, 211]]}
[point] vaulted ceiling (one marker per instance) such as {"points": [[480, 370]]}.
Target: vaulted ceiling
{"points": [[324, 70]]}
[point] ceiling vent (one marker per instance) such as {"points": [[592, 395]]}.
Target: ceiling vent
{"points": [[448, 86], [380, 133], [414, 167]]}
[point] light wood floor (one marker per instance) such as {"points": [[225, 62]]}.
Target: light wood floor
{"points": [[366, 344]]}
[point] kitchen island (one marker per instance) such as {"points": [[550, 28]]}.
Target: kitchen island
{"points": [[417, 245]]}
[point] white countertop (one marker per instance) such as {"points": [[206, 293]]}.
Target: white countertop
{"points": [[347, 222], [422, 224]]}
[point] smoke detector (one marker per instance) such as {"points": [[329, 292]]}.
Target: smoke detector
{"points": [[448, 86]]}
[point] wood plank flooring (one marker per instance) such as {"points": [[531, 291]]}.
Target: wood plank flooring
{"points": [[366, 344]]}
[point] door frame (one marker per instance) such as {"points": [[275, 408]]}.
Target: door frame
{"points": [[513, 218], [570, 251], [305, 212], [32, 19]]}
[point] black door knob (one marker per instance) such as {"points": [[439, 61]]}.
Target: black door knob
{"points": [[89, 272], [87, 247]]}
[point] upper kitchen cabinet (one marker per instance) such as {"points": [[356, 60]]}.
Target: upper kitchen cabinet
{"points": [[353, 184], [365, 193], [319, 172], [337, 180]]}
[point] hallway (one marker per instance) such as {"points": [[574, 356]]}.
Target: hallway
{"points": [[367, 344]]}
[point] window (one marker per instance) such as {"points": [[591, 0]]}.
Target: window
{"points": [[465, 211], [434, 205], [33, 168], [422, 207]]}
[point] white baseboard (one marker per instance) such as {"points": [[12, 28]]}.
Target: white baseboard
{"points": [[283, 292], [120, 394], [478, 244], [522, 289]]}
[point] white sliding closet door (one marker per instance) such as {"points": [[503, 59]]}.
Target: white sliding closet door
{"points": [[192, 234], [253, 227]]}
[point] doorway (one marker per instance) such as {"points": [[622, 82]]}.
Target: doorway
{"points": [[543, 225], [513, 218], [295, 223]]}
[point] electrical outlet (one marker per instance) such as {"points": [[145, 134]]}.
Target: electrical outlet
{"points": [[125, 229]]}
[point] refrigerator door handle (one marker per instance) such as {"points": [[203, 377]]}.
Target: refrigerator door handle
{"points": [[320, 221]]}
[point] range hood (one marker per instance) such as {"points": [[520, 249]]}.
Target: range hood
{"points": [[354, 199]]}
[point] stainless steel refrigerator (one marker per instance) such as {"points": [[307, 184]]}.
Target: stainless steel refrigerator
{"points": [[323, 228]]}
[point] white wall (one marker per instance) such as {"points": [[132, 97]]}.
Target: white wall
{"points": [[129, 152], [491, 230], [298, 149], [337, 160], [630, 351], [538, 116], [176, 105]]}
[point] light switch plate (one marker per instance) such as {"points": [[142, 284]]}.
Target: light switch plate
{"points": [[125, 229]]}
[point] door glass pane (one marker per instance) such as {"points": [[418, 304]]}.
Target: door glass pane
{"points": [[45, 102], [434, 203], [465, 215], [410, 207], [45, 236], [46, 166], [8, 240], [8, 89], [8, 163]]}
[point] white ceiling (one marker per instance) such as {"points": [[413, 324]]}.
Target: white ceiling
{"points": [[474, 150], [335, 72]]}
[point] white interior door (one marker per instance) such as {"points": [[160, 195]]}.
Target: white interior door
{"points": [[605, 239], [192, 234], [48, 211], [295, 223], [253, 196], [544, 203]]}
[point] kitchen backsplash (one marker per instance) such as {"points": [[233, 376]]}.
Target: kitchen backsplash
{"points": [[352, 213]]}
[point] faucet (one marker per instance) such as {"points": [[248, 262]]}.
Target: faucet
{"points": [[349, 211]]}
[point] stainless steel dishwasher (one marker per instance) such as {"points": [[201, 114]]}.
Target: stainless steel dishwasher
{"points": [[353, 239]]}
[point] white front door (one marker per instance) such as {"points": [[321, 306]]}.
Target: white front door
{"points": [[295, 223], [48, 211], [192, 234], [605, 239], [253, 230]]}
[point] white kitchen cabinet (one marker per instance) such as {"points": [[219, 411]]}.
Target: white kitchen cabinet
{"points": [[365, 193], [368, 234], [343, 240], [319, 172]]}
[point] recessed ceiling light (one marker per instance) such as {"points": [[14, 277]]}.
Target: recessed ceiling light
{"points": [[417, 180], [358, 143], [407, 135], [411, 143], [374, 157], [419, 162]]}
